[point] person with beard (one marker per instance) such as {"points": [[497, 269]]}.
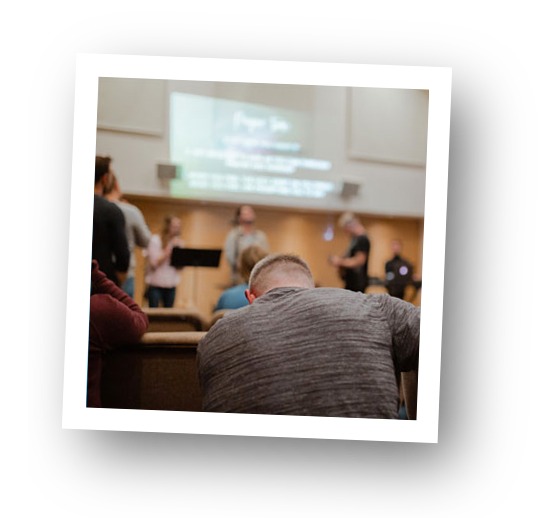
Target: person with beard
{"points": [[244, 234]]}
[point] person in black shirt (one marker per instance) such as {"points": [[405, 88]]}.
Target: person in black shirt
{"points": [[399, 271], [353, 266], [109, 241]]}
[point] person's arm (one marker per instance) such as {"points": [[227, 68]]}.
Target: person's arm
{"points": [[115, 318], [358, 259], [359, 255], [156, 254], [403, 320], [230, 248], [141, 230]]}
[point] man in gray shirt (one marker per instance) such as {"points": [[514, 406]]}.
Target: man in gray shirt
{"points": [[244, 234], [297, 350], [136, 229]]}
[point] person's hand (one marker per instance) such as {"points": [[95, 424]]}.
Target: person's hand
{"points": [[334, 260], [176, 241]]}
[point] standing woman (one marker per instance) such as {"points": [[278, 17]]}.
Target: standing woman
{"points": [[162, 278]]}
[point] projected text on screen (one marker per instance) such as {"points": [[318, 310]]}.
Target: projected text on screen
{"points": [[224, 147]]}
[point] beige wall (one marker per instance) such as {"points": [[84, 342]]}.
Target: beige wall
{"points": [[206, 226], [364, 140]]}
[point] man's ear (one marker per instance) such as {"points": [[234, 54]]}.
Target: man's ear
{"points": [[250, 296]]}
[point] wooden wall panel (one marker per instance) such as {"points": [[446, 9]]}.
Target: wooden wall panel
{"points": [[206, 226]]}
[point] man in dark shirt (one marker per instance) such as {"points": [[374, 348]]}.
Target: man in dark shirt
{"points": [[353, 266], [399, 271], [109, 241]]}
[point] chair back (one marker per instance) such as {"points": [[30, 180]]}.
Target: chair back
{"points": [[171, 320], [159, 373]]}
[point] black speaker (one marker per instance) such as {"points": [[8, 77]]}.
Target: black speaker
{"points": [[349, 189], [166, 171]]}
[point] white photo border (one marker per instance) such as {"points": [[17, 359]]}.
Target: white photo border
{"points": [[89, 69]]}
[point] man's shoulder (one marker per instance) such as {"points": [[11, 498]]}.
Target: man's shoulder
{"points": [[106, 207], [233, 233], [339, 300], [331, 294], [131, 213], [101, 201], [360, 243], [235, 315], [128, 209], [102, 306], [226, 325]]}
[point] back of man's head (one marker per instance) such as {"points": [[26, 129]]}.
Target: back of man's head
{"points": [[102, 165], [280, 271]]}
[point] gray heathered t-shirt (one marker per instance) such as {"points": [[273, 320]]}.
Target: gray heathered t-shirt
{"points": [[317, 352]]}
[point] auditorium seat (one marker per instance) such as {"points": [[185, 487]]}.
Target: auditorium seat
{"points": [[218, 315], [159, 373], [165, 320], [409, 383]]}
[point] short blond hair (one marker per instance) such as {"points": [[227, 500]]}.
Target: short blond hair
{"points": [[347, 218], [289, 265]]}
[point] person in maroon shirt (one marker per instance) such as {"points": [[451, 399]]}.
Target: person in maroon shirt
{"points": [[115, 320]]}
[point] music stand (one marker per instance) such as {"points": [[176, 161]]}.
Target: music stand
{"points": [[196, 257]]}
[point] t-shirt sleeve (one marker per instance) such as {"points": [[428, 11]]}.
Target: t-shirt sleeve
{"points": [[362, 245], [141, 230], [403, 320]]}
